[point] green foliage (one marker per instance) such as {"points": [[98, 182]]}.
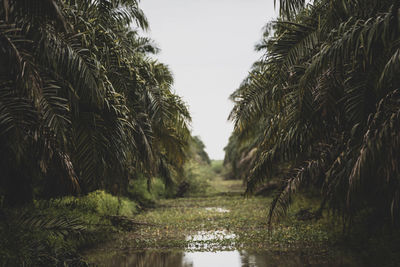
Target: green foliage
{"points": [[217, 167], [197, 176], [33, 238], [52, 232], [198, 150], [82, 105], [101, 203], [321, 109], [147, 194]]}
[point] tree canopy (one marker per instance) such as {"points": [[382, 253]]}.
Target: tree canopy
{"points": [[322, 107], [83, 104]]}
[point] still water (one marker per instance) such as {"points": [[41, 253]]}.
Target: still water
{"points": [[212, 259], [226, 257]]}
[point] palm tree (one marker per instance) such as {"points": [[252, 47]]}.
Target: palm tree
{"points": [[327, 100], [82, 106]]}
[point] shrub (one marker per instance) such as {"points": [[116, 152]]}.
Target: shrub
{"points": [[51, 232]]}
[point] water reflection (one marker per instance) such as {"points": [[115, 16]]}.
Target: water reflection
{"points": [[138, 259], [224, 240], [217, 209], [220, 258], [206, 240], [210, 259]]}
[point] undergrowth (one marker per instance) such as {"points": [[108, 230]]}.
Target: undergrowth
{"points": [[52, 232]]}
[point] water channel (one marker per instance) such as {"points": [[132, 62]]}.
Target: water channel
{"points": [[197, 254], [155, 258]]}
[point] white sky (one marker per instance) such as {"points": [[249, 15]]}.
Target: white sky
{"points": [[209, 46]]}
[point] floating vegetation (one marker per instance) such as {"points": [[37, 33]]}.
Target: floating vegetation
{"points": [[222, 239], [217, 209]]}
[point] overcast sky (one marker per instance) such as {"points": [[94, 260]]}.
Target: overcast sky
{"points": [[209, 46]]}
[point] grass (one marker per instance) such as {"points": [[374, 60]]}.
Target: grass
{"points": [[220, 186]]}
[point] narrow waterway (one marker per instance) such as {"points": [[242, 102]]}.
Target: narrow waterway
{"points": [[216, 231], [209, 259]]}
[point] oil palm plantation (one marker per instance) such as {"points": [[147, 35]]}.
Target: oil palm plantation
{"points": [[323, 106], [82, 105]]}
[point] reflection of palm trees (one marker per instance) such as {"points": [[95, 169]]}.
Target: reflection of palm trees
{"points": [[144, 259], [232, 258], [271, 259], [245, 258], [156, 259]]}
